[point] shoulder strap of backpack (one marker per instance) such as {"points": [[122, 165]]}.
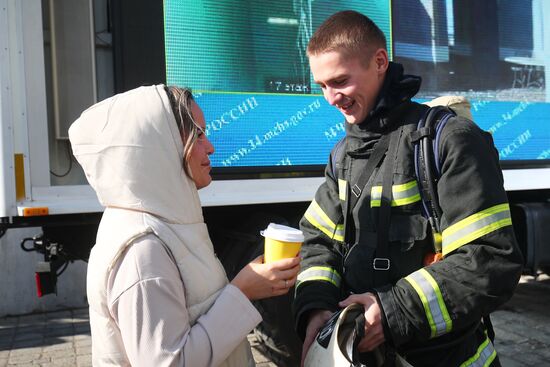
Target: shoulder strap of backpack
{"points": [[427, 163], [336, 157]]}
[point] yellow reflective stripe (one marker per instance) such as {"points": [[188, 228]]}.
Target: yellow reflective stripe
{"points": [[475, 226], [402, 194], [484, 356], [432, 300], [323, 273], [342, 189], [317, 217]]}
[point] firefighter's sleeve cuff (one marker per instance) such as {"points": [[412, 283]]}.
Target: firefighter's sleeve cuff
{"points": [[385, 326], [394, 323], [317, 295]]}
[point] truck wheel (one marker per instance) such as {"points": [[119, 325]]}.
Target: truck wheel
{"points": [[275, 334], [238, 243]]}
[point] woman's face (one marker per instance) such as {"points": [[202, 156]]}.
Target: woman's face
{"points": [[199, 162]]}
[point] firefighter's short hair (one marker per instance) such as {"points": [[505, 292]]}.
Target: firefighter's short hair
{"points": [[349, 32]]}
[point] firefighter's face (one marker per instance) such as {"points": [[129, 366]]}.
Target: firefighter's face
{"points": [[349, 83], [199, 161]]}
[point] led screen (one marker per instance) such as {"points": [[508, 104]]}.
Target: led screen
{"points": [[246, 63], [496, 53]]}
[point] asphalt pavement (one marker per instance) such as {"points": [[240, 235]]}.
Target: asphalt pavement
{"points": [[62, 338]]}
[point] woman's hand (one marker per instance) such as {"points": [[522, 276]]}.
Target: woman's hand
{"points": [[258, 280], [374, 333]]}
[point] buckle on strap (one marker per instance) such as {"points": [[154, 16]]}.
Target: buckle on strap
{"points": [[356, 190], [380, 263]]}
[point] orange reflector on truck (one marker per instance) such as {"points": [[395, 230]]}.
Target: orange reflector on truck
{"points": [[33, 212], [19, 162]]}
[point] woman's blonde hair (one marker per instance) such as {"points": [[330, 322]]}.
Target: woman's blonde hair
{"points": [[180, 101]]}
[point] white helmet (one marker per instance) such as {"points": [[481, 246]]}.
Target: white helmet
{"points": [[334, 345]]}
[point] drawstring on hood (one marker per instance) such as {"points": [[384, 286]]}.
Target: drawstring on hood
{"points": [[132, 154]]}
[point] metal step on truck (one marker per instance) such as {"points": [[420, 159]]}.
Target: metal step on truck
{"points": [[272, 129]]}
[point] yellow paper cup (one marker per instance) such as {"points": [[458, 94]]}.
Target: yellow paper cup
{"points": [[281, 242]]}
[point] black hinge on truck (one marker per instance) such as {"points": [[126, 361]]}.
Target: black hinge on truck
{"points": [[54, 264], [65, 238]]}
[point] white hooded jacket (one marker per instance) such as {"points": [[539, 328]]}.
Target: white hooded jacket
{"points": [[158, 295]]}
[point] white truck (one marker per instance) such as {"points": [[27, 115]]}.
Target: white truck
{"points": [[270, 125]]}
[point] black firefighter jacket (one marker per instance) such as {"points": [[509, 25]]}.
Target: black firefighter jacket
{"points": [[431, 314]]}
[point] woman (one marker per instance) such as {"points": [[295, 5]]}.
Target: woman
{"points": [[158, 295]]}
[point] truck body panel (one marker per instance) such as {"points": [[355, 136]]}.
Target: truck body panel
{"points": [[47, 79]]}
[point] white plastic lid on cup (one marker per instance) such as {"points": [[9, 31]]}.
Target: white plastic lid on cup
{"points": [[283, 233]]}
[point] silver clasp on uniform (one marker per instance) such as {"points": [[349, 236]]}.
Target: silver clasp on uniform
{"points": [[380, 263], [356, 190]]}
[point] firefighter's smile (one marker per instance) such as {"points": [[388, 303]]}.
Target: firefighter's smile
{"points": [[346, 107]]}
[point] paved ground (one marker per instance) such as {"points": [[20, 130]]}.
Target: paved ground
{"points": [[522, 325], [63, 338], [59, 339]]}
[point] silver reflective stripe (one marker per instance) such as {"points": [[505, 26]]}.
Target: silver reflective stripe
{"points": [[485, 354], [342, 189], [475, 226], [432, 301], [323, 273], [402, 194], [320, 220]]}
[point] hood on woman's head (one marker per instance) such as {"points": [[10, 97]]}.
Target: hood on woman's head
{"points": [[132, 154]]}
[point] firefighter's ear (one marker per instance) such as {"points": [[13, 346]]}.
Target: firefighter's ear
{"points": [[381, 61]]}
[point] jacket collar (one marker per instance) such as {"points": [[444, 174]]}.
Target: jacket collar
{"points": [[396, 89]]}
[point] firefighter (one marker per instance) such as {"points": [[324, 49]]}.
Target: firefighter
{"points": [[366, 238]]}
